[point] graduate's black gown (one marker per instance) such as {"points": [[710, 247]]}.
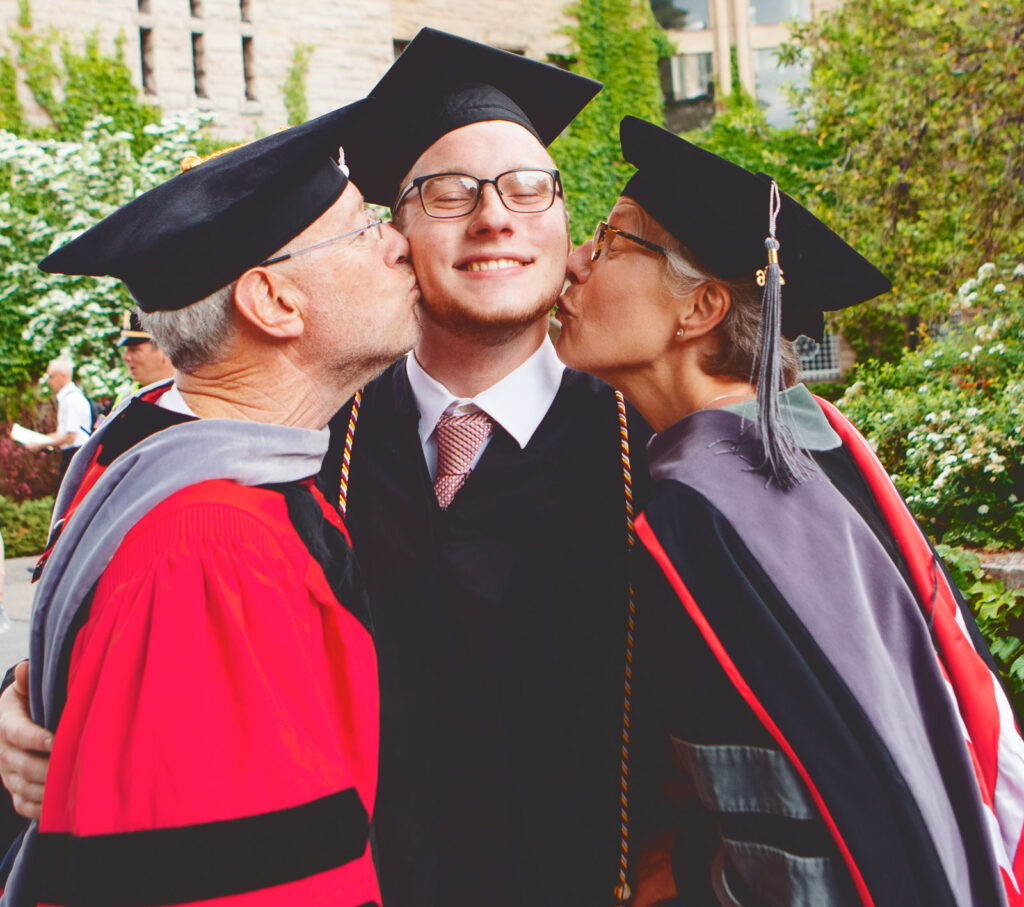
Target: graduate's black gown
{"points": [[500, 629]]}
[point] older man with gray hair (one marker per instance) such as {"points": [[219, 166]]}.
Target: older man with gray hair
{"points": [[74, 417], [199, 582]]}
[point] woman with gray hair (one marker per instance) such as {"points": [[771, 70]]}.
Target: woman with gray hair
{"points": [[804, 668]]}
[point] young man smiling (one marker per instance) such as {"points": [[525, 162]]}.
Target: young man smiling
{"points": [[497, 578]]}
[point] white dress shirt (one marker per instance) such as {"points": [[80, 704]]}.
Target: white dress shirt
{"points": [[172, 400], [518, 402], [73, 415]]}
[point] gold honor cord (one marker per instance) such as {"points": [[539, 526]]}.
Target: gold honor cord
{"points": [[346, 456], [622, 891]]}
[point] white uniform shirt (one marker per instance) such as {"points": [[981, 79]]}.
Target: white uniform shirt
{"points": [[518, 402], [73, 415], [172, 400]]}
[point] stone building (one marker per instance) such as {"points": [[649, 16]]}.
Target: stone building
{"points": [[706, 31], [233, 56]]}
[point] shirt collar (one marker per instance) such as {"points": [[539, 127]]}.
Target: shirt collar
{"points": [[172, 400], [518, 402]]}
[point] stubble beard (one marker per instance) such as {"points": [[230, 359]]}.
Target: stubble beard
{"points": [[453, 319]]}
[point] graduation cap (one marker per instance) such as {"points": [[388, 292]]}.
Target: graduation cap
{"points": [[442, 82], [132, 331], [202, 229], [720, 212], [739, 226]]}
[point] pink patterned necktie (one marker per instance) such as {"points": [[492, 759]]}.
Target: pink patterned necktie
{"points": [[458, 440]]}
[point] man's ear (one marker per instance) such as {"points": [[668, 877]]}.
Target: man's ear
{"points": [[270, 302], [708, 305]]}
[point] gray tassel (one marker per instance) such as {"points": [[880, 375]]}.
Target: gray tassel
{"points": [[782, 460]]}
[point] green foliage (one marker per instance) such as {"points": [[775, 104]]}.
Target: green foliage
{"points": [[72, 86], [923, 106], [794, 158], [946, 419], [294, 87], [12, 117], [102, 148], [25, 526], [618, 43], [50, 191], [1000, 614]]}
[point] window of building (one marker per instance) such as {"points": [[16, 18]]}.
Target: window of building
{"points": [[775, 12], [148, 67], [199, 65], [818, 361], [770, 79], [245, 6], [249, 68], [684, 15], [196, 8], [686, 77]]}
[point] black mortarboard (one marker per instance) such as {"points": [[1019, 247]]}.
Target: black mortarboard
{"points": [[202, 229], [132, 331], [442, 82], [719, 211]]}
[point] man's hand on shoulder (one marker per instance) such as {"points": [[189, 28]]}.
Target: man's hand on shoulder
{"points": [[24, 748]]}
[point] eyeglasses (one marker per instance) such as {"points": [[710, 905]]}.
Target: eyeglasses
{"points": [[456, 194], [603, 229], [372, 223]]}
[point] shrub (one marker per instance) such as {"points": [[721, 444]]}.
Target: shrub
{"points": [[1000, 613], [25, 525], [25, 475], [923, 104], [946, 419]]}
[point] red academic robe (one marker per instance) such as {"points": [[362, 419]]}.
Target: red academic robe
{"points": [[219, 740]]}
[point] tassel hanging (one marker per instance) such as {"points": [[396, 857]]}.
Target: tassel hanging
{"points": [[782, 459]]}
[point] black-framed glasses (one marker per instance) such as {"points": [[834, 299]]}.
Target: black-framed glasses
{"points": [[372, 223], [603, 228], [457, 194]]}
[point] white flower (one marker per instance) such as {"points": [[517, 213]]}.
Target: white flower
{"points": [[1013, 499], [987, 270], [969, 285], [1019, 270], [999, 288], [927, 363], [971, 297], [983, 509]]}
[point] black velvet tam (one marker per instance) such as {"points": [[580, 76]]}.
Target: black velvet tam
{"points": [[442, 82], [202, 229], [720, 212]]}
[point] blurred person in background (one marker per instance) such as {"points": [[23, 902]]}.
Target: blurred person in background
{"points": [[74, 415], [146, 362]]}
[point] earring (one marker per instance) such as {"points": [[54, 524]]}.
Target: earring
{"points": [[681, 333]]}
